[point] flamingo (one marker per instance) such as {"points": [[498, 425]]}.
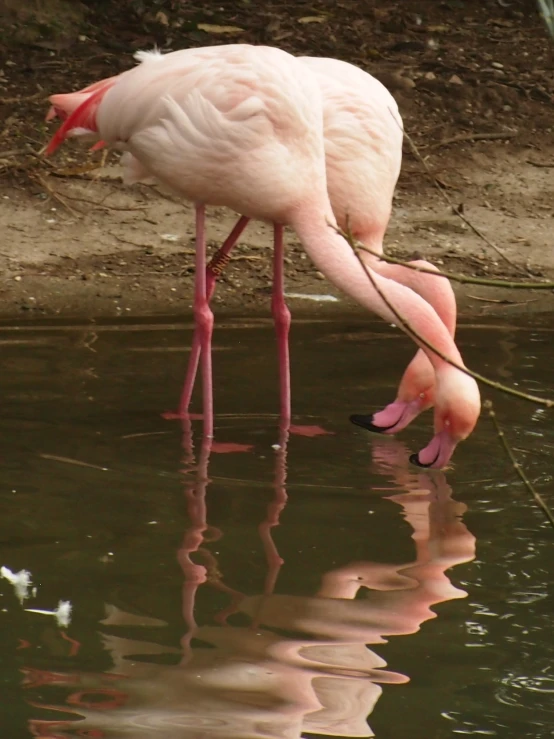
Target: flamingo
{"points": [[363, 149], [242, 126]]}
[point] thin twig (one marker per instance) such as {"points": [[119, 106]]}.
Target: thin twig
{"points": [[456, 277], [547, 402], [501, 301], [103, 205], [189, 252], [454, 207], [56, 195], [11, 153], [22, 99], [79, 172], [516, 465], [546, 165], [474, 137]]}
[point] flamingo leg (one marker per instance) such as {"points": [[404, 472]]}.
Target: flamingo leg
{"points": [[204, 322], [214, 269], [281, 317]]}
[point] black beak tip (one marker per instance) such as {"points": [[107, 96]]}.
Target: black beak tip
{"points": [[366, 422], [414, 459]]}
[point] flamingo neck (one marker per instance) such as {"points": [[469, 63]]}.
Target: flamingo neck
{"points": [[334, 257], [435, 290]]}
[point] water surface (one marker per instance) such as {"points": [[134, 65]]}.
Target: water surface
{"points": [[312, 586]]}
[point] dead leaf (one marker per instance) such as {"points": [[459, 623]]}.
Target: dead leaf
{"points": [[161, 18], [312, 19], [209, 28]]}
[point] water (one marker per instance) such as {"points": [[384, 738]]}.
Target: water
{"points": [[317, 588]]}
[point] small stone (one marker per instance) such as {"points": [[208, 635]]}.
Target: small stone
{"points": [[430, 76], [320, 276], [455, 80], [497, 65], [17, 278]]}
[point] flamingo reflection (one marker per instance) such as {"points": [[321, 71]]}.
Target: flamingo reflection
{"points": [[276, 665]]}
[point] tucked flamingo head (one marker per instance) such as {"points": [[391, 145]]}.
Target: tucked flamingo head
{"points": [[457, 408], [64, 104]]}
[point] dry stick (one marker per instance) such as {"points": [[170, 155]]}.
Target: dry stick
{"points": [[458, 277], [103, 205], [547, 402], [546, 165], [24, 98], [516, 465], [474, 137], [56, 196], [455, 208]]}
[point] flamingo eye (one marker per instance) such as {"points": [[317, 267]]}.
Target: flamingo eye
{"points": [[422, 396]]}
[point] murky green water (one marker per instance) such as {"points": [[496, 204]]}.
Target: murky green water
{"points": [[266, 601]]}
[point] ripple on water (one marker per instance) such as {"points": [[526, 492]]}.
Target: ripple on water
{"points": [[525, 597], [513, 689]]}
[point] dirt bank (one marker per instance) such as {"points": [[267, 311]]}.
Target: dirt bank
{"points": [[76, 242]]}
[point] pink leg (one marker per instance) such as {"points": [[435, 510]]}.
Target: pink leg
{"points": [[213, 270], [281, 316], [204, 320]]}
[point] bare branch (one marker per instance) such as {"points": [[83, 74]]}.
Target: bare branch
{"points": [[454, 207], [516, 465], [547, 402], [456, 277]]}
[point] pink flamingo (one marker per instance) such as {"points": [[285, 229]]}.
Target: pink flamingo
{"points": [[242, 126], [363, 149]]}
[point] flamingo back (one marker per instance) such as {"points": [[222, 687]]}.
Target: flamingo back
{"points": [[363, 146], [233, 125]]}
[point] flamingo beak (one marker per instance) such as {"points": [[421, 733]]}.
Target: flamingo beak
{"points": [[437, 453], [395, 417]]}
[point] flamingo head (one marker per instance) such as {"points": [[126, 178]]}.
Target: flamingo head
{"points": [[457, 408], [416, 394]]}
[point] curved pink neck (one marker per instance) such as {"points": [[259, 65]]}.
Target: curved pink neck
{"points": [[334, 257]]}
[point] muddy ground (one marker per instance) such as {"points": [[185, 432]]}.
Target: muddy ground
{"points": [[475, 85]]}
